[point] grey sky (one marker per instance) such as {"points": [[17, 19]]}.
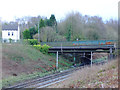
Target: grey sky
{"points": [[9, 9]]}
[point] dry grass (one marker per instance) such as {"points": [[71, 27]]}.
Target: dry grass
{"points": [[102, 76]]}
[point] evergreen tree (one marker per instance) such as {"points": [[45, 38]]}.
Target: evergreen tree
{"points": [[26, 34], [32, 31], [52, 20], [47, 22], [42, 23]]}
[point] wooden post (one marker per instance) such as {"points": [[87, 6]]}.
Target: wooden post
{"points": [[57, 61], [91, 59]]}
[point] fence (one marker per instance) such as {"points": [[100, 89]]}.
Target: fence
{"points": [[76, 43]]}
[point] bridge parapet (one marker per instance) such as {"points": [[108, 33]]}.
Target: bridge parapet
{"points": [[80, 43]]}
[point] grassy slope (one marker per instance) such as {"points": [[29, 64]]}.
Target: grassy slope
{"points": [[105, 76], [20, 61], [0, 30], [0, 64]]}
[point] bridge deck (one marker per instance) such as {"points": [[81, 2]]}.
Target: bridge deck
{"points": [[80, 49]]}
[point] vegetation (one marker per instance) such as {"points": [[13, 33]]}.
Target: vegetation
{"points": [[68, 36], [22, 62], [26, 34], [33, 59], [0, 29], [87, 27], [32, 31], [44, 49], [10, 40], [32, 41], [99, 76], [41, 23], [74, 26]]}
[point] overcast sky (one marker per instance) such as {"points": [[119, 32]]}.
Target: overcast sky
{"points": [[9, 9]]}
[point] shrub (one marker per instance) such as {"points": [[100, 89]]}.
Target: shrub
{"points": [[44, 49], [38, 47], [32, 41], [10, 40], [26, 34]]}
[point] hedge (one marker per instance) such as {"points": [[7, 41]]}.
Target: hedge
{"points": [[44, 49], [31, 41]]}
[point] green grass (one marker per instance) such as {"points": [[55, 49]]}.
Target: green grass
{"points": [[27, 55], [24, 53], [12, 80], [100, 59]]}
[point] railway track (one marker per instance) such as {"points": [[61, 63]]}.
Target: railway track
{"points": [[47, 80]]}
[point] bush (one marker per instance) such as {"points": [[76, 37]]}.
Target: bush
{"points": [[32, 41], [44, 49], [38, 47], [10, 40], [26, 34]]}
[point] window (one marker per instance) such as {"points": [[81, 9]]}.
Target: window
{"points": [[8, 33], [12, 33]]}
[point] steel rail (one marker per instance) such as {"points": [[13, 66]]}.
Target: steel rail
{"points": [[41, 79], [48, 80]]}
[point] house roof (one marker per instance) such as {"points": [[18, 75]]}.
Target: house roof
{"points": [[11, 26]]}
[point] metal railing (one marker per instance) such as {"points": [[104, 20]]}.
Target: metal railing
{"points": [[77, 43]]}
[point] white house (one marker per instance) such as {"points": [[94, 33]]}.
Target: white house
{"points": [[10, 31]]}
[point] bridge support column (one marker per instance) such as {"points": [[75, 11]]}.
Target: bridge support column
{"points": [[84, 54], [111, 55], [74, 59], [57, 61], [61, 48], [91, 58], [115, 50], [107, 58]]}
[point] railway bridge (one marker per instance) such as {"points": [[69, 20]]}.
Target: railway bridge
{"points": [[84, 51]]}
